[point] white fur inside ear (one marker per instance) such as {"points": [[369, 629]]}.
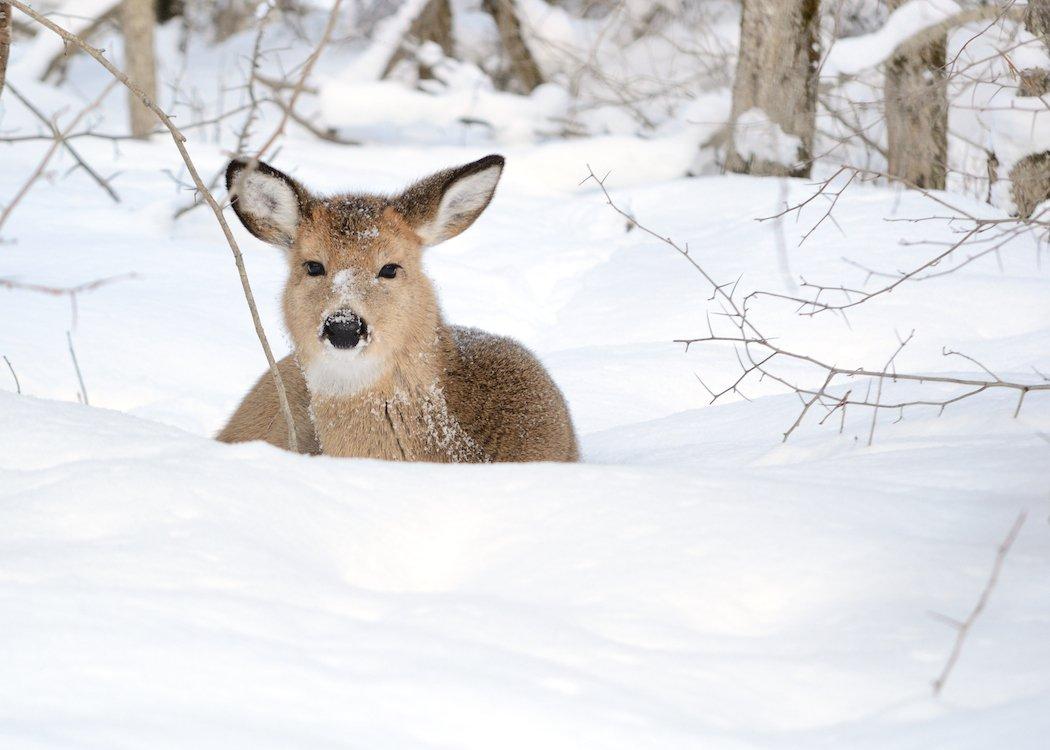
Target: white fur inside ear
{"points": [[460, 205], [271, 200]]}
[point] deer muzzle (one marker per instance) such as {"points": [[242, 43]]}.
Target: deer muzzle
{"points": [[344, 330]]}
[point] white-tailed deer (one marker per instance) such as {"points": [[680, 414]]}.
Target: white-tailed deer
{"points": [[375, 370]]}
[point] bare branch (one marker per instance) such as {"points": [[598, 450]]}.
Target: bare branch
{"points": [[69, 291], [964, 627], [64, 140], [76, 366], [297, 91], [180, 144], [18, 385], [56, 142], [757, 353]]}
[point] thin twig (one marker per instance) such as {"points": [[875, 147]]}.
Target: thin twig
{"points": [[18, 386], [68, 291], [64, 139], [963, 627], [76, 366], [57, 140], [180, 144], [760, 351], [300, 85]]}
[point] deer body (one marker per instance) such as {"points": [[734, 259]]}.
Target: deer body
{"points": [[376, 372]]}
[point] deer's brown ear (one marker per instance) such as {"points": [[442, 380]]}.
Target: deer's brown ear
{"points": [[267, 201], [443, 205]]}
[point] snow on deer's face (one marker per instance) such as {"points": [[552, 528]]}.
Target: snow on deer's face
{"points": [[357, 298], [357, 295]]}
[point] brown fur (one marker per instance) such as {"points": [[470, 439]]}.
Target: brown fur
{"points": [[435, 392]]}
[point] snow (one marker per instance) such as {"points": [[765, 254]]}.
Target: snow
{"points": [[855, 54], [386, 40], [756, 136], [694, 582], [403, 111], [73, 15], [986, 116]]}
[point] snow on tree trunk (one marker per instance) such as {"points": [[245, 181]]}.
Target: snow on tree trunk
{"points": [[1030, 177], [138, 18], [5, 40], [433, 24], [916, 100], [522, 63], [775, 91], [1031, 182]]}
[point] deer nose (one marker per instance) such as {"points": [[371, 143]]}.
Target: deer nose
{"points": [[344, 330]]}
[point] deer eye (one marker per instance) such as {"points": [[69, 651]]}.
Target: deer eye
{"points": [[313, 268], [388, 271]]}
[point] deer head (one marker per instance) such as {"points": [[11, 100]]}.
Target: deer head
{"points": [[357, 301]]}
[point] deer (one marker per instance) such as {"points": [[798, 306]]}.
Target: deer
{"points": [[375, 371]]}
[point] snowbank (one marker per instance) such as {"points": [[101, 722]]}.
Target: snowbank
{"points": [[163, 590], [694, 583]]}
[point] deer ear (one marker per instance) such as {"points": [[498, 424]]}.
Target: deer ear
{"points": [[443, 205], [268, 202]]}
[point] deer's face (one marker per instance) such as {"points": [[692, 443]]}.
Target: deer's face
{"points": [[357, 297]]}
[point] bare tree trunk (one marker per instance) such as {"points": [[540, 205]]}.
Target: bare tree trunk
{"points": [[5, 40], [1037, 17], [1036, 81], [776, 74], [433, 24], [916, 100], [522, 63], [1030, 177], [1030, 182], [138, 18]]}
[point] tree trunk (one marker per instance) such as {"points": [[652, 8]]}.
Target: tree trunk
{"points": [[522, 63], [1030, 182], [776, 87], [1030, 177], [5, 40], [1036, 81], [1037, 18], [433, 24], [916, 101], [138, 17]]}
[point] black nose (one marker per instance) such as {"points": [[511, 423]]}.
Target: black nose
{"points": [[344, 330]]}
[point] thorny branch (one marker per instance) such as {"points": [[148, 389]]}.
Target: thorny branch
{"points": [[990, 235], [180, 144], [758, 353]]}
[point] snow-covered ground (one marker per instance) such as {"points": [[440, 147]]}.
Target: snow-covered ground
{"points": [[695, 582]]}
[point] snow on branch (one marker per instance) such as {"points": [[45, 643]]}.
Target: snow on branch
{"points": [[912, 25]]}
